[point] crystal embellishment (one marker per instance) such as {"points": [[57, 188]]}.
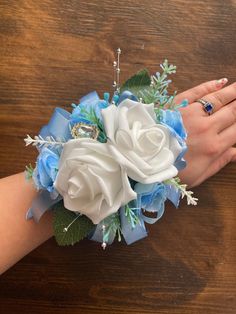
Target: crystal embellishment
{"points": [[83, 130]]}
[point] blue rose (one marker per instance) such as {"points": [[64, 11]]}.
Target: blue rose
{"points": [[151, 197], [46, 169], [173, 120], [89, 105], [126, 95]]}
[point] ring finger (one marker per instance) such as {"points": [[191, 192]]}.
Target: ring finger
{"points": [[219, 98]]}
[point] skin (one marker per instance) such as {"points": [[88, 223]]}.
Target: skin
{"points": [[19, 236], [210, 148], [210, 138]]}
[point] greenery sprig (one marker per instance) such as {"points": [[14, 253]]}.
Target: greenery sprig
{"points": [[131, 214], [112, 227], [176, 182], [38, 140], [91, 116], [29, 170], [154, 88]]}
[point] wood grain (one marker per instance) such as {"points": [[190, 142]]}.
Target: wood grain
{"points": [[54, 52]]}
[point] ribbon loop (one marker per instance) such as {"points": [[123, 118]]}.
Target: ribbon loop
{"points": [[41, 203], [58, 126], [131, 234]]}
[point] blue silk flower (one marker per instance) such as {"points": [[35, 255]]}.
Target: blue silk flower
{"points": [[46, 169], [173, 120], [151, 197]]}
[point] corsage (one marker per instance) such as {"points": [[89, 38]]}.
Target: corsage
{"points": [[107, 168]]}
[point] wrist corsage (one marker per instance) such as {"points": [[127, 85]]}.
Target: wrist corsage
{"points": [[108, 167]]}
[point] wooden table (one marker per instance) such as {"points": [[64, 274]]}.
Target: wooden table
{"points": [[54, 52]]}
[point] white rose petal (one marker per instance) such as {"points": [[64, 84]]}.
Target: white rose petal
{"points": [[146, 150], [90, 181]]}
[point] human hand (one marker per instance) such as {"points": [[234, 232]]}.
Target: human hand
{"points": [[210, 138]]}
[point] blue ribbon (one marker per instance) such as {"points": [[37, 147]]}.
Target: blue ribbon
{"points": [[129, 233], [132, 234], [58, 126], [41, 203], [90, 98]]}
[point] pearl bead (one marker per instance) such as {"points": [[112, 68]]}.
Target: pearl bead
{"points": [[104, 245]]}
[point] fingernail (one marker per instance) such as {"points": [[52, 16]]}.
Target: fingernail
{"points": [[221, 82]]}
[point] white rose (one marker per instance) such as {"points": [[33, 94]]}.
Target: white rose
{"points": [[90, 181], [146, 150]]}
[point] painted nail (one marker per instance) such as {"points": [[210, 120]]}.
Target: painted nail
{"points": [[221, 82]]}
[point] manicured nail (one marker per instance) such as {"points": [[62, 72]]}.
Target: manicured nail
{"points": [[221, 82]]}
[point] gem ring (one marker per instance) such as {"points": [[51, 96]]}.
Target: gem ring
{"points": [[207, 106]]}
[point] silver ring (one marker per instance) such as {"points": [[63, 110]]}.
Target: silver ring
{"points": [[207, 106]]}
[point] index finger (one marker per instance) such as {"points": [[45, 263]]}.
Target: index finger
{"points": [[201, 90]]}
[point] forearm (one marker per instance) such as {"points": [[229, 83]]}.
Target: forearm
{"points": [[19, 236]]}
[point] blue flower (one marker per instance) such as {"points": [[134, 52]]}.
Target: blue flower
{"points": [[151, 197], [126, 94], [46, 169], [89, 105], [173, 120]]}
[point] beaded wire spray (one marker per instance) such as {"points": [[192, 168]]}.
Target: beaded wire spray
{"points": [[116, 66], [116, 86]]}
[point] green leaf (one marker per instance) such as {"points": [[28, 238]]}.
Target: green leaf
{"points": [[78, 230], [137, 82]]}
